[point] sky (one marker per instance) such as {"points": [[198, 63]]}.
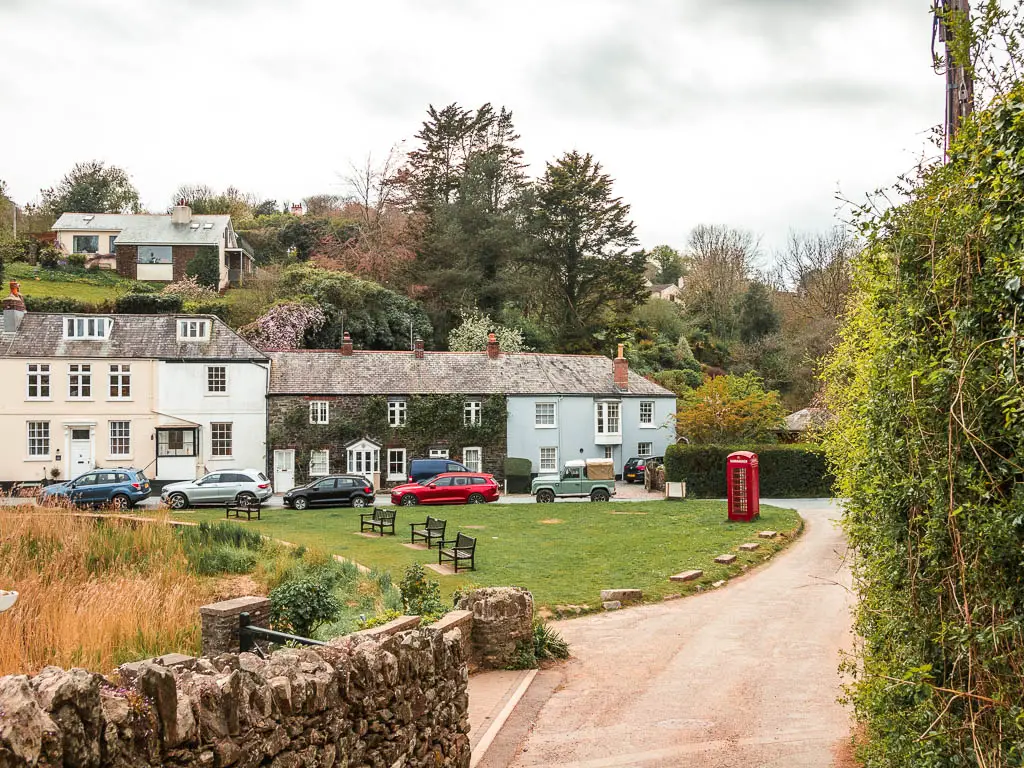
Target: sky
{"points": [[760, 114]]}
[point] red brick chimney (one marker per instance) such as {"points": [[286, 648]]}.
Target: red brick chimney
{"points": [[417, 349], [14, 308], [620, 371], [346, 345], [493, 350]]}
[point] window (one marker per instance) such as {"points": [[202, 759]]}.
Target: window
{"points": [[38, 381], [155, 254], [473, 459], [189, 330], [319, 463], [86, 244], [396, 464], [438, 453], [548, 459], [544, 415], [176, 442], [120, 438], [221, 434], [472, 413], [609, 451], [319, 412], [397, 413], [79, 382], [39, 439], [646, 413], [644, 449], [216, 379], [444, 482], [608, 422], [110, 248], [87, 327], [120, 382]]}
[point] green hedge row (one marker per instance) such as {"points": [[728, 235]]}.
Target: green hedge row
{"points": [[786, 471]]}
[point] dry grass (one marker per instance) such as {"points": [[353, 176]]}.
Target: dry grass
{"points": [[93, 593]]}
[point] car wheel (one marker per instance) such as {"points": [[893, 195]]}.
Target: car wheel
{"points": [[545, 496], [599, 494], [120, 501], [476, 498], [245, 498], [359, 502], [177, 501], [300, 502], [409, 500]]}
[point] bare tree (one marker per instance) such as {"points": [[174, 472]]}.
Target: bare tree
{"points": [[720, 262], [815, 267]]}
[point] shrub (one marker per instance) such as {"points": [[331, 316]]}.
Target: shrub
{"points": [[524, 657], [547, 642], [61, 304], [190, 289], [730, 409], [517, 474], [212, 307], [421, 596], [76, 260], [379, 620], [50, 257], [148, 304], [300, 607], [786, 471], [205, 268], [142, 287]]}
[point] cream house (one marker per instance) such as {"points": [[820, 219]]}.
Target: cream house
{"points": [[174, 395]]}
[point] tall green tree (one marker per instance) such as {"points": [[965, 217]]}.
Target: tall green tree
{"points": [[92, 187], [669, 262], [757, 314], [584, 249]]}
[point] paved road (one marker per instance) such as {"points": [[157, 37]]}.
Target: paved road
{"points": [[745, 675]]}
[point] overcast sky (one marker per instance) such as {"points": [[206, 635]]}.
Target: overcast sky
{"points": [[753, 113]]}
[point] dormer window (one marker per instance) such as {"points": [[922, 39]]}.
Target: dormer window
{"points": [[193, 330], [87, 327]]}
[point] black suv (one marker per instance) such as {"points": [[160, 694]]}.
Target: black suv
{"points": [[634, 470], [331, 491]]}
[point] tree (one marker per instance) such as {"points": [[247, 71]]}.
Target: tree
{"points": [[583, 240], [670, 265], [205, 267], [284, 326], [265, 208], [204, 201], [816, 267], [324, 205], [757, 315], [720, 261], [472, 333], [92, 187], [729, 410]]}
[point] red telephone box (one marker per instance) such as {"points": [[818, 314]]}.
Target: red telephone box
{"points": [[743, 480]]}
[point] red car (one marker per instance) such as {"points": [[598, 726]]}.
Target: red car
{"points": [[447, 488]]}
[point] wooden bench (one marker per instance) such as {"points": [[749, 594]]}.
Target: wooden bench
{"points": [[464, 549], [246, 506], [379, 519], [432, 530]]}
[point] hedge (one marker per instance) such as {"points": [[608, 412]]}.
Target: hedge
{"points": [[148, 304], [786, 471], [518, 474], [63, 304]]}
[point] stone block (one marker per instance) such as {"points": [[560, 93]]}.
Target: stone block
{"points": [[686, 576], [750, 547], [611, 605], [719, 583], [725, 559], [221, 621], [624, 596], [502, 619], [393, 627], [767, 534]]}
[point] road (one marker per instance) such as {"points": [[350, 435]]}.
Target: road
{"points": [[744, 675]]}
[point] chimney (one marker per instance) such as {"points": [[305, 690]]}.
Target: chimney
{"points": [[181, 213], [418, 349], [297, 209], [346, 345], [14, 308], [493, 350], [620, 370]]}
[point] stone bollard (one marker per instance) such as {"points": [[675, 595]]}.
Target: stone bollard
{"points": [[220, 622], [502, 619]]}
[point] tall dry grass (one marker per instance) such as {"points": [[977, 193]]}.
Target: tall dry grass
{"points": [[93, 593]]}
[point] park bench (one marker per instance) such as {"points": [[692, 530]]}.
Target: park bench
{"points": [[237, 507], [432, 530], [464, 549], [379, 519]]}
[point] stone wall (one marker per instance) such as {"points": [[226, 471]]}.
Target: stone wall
{"points": [[502, 620], [401, 701]]}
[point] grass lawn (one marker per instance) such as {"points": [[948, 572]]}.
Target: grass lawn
{"points": [[95, 286], [565, 554]]}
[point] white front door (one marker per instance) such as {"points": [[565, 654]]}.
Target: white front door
{"points": [[81, 452], [363, 458], [284, 470]]}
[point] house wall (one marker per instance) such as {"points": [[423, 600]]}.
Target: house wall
{"points": [[127, 261], [66, 238]]}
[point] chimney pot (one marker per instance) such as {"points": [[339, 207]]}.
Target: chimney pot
{"points": [[620, 370], [346, 345], [493, 349], [418, 349]]}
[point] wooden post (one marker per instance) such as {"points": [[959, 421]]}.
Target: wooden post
{"points": [[959, 83]]}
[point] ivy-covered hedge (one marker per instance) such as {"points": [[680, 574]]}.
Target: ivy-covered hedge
{"points": [[786, 471]]}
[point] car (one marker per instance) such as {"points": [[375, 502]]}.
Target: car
{"points": [[578, 477], [121, 488], [634, 470], [220, 487], [448, 488], [422, 469], [331, 491]]}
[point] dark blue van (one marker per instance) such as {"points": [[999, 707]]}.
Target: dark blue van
{"points": [[421, 469]]}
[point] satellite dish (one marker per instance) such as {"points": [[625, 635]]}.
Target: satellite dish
{"points": [[7, 599]]}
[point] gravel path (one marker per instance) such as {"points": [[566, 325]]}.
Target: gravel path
{"points": [[745, 675]]}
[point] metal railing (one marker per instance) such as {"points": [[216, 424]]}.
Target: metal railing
{"points": [[248, 635]]}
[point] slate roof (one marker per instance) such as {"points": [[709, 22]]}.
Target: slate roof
{"points": [[101, 222], [41, 335], [319, 372], [149, 229]]}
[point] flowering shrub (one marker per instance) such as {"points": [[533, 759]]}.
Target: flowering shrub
{"points": [[284, 326], [190, 289], [471, 334]]}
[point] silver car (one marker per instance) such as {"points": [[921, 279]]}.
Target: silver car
{"points": [[218, 487]]}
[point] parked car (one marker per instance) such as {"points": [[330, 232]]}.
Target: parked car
{"points": [[422, 469], [448, 488], [331, 491], [220, 487], [635, 468], [574, 480], [122, 488]]}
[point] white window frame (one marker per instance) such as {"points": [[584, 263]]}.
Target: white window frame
{"points": [[319, 459], [648, 423], [84, 328], [212, 392], [401, 463], [124, 433], [80, 375], [230, 440], [438, 453], [40, 372], [640, 449], [398, 413], [609, 451], [194, 330], [603, 417], [550, 466], [537, 415], [119, 379], [472, 413], [478, 464], [43, 440], [319, 412]]}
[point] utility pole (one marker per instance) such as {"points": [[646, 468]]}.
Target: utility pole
{"points": [[959, 83]]}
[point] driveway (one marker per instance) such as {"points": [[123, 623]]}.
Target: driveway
{"points": [[743, 675]]}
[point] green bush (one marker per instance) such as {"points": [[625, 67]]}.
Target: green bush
{"points": [[300, 607], [60, 304], [148, 304], [547, 642], [786, 471], [209, 307], [205, 267], [76, 260], [140, 286], [421, 596], [517, 474]]}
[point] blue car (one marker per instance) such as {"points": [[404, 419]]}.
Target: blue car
{"points": [[120, 488]]}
